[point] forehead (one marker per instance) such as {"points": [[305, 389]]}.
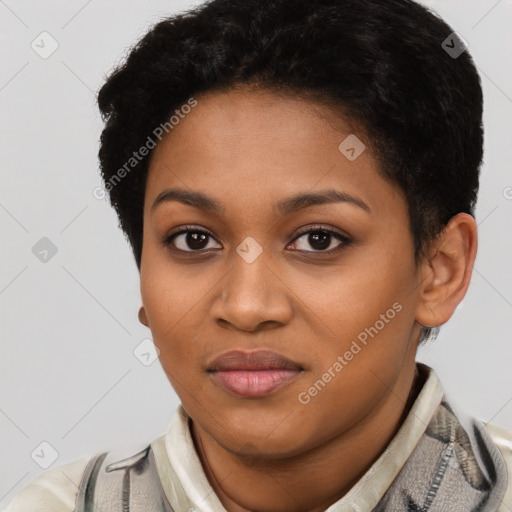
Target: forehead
{"points": [[262, 145], [240, 119]]}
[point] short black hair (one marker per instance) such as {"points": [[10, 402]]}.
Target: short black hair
{"points": [[390, 66]]}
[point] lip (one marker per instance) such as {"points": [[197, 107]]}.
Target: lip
{"points": [[254, 360], [253, 374]]}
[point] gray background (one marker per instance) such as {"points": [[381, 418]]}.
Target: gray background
{"points": [[69, 326]]}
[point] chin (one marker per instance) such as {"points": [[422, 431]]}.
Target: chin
{"points": [[258, 433]]}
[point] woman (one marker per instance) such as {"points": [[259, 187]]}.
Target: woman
{"points": [[297, 179]]}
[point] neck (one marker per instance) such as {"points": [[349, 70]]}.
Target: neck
{"points": [[314, 480]]}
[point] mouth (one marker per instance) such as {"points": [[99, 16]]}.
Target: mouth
{"points": [[253, 374]]}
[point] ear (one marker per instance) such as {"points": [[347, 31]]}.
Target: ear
{"points": [[446, 271], [143, 319]]}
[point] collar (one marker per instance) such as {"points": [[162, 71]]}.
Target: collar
{"points": [[187, 488]]}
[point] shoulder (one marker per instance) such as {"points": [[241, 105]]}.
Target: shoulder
{"points": [[100, 482], [503, 440], [54, 490], [500, 435]]}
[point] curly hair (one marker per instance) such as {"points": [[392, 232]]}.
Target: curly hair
{"points": [[383, 65]]}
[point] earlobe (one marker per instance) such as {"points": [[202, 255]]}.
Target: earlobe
{"points": [[142, 316], [447, 271]]}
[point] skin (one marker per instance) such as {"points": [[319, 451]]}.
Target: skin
{"points": [[248, 150]]}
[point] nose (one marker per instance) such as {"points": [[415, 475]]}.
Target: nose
{"points": [[253, 297]]}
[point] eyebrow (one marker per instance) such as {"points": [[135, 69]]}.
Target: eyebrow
{"points": [[283, 207]]}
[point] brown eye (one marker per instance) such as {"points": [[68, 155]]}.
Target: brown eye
{"points": [[321, 240], [189, 240]]}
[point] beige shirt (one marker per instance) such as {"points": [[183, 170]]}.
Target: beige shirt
{"points": [[188, 490]]}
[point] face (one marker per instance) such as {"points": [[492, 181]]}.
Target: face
{"points": [[329, 283]]}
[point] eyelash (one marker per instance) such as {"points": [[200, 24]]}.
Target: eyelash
{"points": [[345, 240]]}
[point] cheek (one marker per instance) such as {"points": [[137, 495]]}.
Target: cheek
{"points": [[165, 303], [354, 374], [175, 306], [369, 311], [166, 289], [369, 288]]}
